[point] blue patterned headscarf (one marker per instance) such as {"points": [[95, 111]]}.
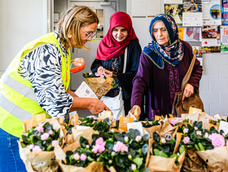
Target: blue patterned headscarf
{"points": [[172, 53]]}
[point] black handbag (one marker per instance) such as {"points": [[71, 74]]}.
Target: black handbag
{"points": [[182, 106]]}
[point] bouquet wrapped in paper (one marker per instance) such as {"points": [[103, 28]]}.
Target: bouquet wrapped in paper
{"points": [[99, 83], [77, 157], [36, 147], [166, 154]]}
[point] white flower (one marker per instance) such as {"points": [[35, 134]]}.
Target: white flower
{"points": [[133, 167], [163, 140], [126, 139], [138, 138]]}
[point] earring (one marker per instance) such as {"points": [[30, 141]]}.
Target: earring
{"points": [[69, 36]]}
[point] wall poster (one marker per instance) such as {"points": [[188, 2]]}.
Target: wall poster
{"points": [[211, 12], [224, 39], [224, 12], [174, 10]]}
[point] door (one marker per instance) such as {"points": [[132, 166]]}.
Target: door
{"points": [[104, 12]]}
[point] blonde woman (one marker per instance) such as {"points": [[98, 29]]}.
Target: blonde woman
{"points": [[37, 82]]}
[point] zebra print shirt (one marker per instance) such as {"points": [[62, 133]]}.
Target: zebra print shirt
{"points": [[42, 67]]}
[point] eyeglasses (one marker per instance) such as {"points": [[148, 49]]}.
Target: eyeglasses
{"points": [[89, 34]]}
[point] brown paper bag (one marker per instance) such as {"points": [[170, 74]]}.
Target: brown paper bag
{"points": [[60, 155], [216, 159], [192, 117], [86, 133], [193, 162], [158, 163], [181, 161], [153, 129], [167, 128], [39, 161], [99, 85]]}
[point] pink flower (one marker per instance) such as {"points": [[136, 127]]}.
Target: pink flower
{"points": [[50, 132], [173, 121], [206, 135], [133, 167], [138, 138], [54, 142], [76, 156], [99, 74], [40, 129], [217, 140], [36, 149], [99, 145], [87, 146], [100, 141], [163, 140], [44, 136], [198, 132], [186, 140], [91, 116], [195, 128], [119, 146], [83, 157], [216, 119], [185, 130]]}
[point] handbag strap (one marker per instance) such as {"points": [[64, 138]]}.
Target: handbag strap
{"points": [[188, 74], [125, 60]]}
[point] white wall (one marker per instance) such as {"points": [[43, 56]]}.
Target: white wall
{"points": [[21, 22], [214, 83]]}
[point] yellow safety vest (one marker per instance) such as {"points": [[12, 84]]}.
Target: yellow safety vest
{"points": [[17, 99]]}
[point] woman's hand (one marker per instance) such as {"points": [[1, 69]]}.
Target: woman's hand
{"points": [[97, 106], [188, 91], [135, 112], [108, 73], [101, 69]]}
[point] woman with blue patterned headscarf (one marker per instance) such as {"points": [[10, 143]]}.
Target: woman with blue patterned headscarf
{"points": [[163, 64]]}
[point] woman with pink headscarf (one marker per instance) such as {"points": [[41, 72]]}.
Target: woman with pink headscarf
{"points": [[110, 57]]}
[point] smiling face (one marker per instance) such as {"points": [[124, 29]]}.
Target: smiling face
{"points": [[88, 32], [119, 33], [160, 33]]}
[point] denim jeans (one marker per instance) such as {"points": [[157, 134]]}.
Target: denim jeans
{"points": [[10, 160]]}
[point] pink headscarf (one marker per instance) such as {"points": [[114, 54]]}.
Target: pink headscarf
{"points": [[110, 48]]}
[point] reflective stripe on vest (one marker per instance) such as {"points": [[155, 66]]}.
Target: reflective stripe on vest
{"points": [[18, 87], [10, 107]]}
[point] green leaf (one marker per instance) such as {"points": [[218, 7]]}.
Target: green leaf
{"points": [[156, 137], [146, 137], [95, 137], [144, 170], [33, 138], [200, 124], [138, 161], [163, 154], [47, 127], [109, 145], [83, 142], [25, 139], [156, 152], [145, 149], [181, 149], [118, 137]]}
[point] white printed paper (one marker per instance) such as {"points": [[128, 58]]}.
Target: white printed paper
{"points": [[223, 126], [193, 19], [85, 91]]}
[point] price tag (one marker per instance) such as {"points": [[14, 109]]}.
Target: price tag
{"points": [[38, 119], [123, 122], [194, 110], [109, 79], [223, 126], [108, 114], [157, 117]]}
